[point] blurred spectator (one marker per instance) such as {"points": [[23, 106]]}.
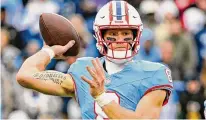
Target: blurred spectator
{"points": [[203, 74], [14, 36], [192, 100], [33, 10], [201, 4], [39, 105], [14, 11], [200, 40], [80, 26], [148, 9], [30, 21], [89, 10], [18, 114], [182, 5], [167, 58], [185, 56], [148, 51], [194, 24], [7, 93], [8, 52], [67, 7], [167, 10]]}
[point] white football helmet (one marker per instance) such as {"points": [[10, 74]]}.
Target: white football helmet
{"points": [[118, 15]]}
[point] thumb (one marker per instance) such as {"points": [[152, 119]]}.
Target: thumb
{"points": [[69, 45]]}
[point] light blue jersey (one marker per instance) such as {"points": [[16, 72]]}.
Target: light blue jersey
{"points": [[127, 86]]}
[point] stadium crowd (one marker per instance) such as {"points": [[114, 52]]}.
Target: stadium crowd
{"points": [[174, 34]]}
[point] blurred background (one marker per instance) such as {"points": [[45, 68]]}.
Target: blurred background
{"points": [[174, 34]]}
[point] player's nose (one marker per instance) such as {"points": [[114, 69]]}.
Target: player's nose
{"points": [[120, 38]]}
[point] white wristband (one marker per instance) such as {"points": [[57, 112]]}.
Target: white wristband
{"points": [[49, 51], [103, 99]]}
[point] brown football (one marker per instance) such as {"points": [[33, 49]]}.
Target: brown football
{"points": [[57, 30]]}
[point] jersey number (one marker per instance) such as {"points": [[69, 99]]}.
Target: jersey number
{"points": [[100, 115]]}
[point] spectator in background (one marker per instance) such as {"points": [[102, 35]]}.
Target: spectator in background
{"points": [[79, 24], [148, 50], [166, 12], [203, 74], [8, 54], [200, 40], [167, 58], [194, 24], [14, 35], [148, 9], [88, 43], [30, 21], [191, 100], [7, 101], [197, 27], [185, 56], [41, 106], [183, 5], [89, 10]]}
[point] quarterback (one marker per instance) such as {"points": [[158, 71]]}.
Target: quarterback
{"points": [[111, 87]]}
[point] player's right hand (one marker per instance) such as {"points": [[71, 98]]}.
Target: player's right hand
{"points": [[59, 50]]}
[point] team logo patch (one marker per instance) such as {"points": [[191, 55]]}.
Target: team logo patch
{"points": [[169, 75]]}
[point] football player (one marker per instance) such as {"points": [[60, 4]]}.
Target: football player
{"points": [[114, 86]]}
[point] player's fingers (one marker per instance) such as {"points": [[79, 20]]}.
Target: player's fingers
{"points": [[96, 67], [69, 45], [90, 82], [100, 65], [91, 72]]}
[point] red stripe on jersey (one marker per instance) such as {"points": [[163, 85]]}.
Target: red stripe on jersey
{"points": [[110, 13], [126, 12], [161, 87], [75, 90]]}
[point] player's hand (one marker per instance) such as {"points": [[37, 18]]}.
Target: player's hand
{"points": [[60, 50], [97, 73]]}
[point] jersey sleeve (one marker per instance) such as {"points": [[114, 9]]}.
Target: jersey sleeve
{"points": [[160, 80]]}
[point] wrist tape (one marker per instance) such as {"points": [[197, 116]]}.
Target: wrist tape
{"points": [[49, 51], [103, 99]]}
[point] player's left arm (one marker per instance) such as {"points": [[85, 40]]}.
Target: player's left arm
{"points": [[149, 107]]}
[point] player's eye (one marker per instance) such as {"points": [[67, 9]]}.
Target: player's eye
{"points": [[128, 39], [111, 39]]}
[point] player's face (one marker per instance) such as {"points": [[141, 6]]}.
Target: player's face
{"points": [[119, 35]]}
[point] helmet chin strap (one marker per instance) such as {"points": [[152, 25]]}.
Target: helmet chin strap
{"points": [[119, 54]]}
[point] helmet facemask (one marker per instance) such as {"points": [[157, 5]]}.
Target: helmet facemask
{"points": [[132, 46]]}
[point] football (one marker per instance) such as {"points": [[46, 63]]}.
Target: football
{"points": [[57, 30]]}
